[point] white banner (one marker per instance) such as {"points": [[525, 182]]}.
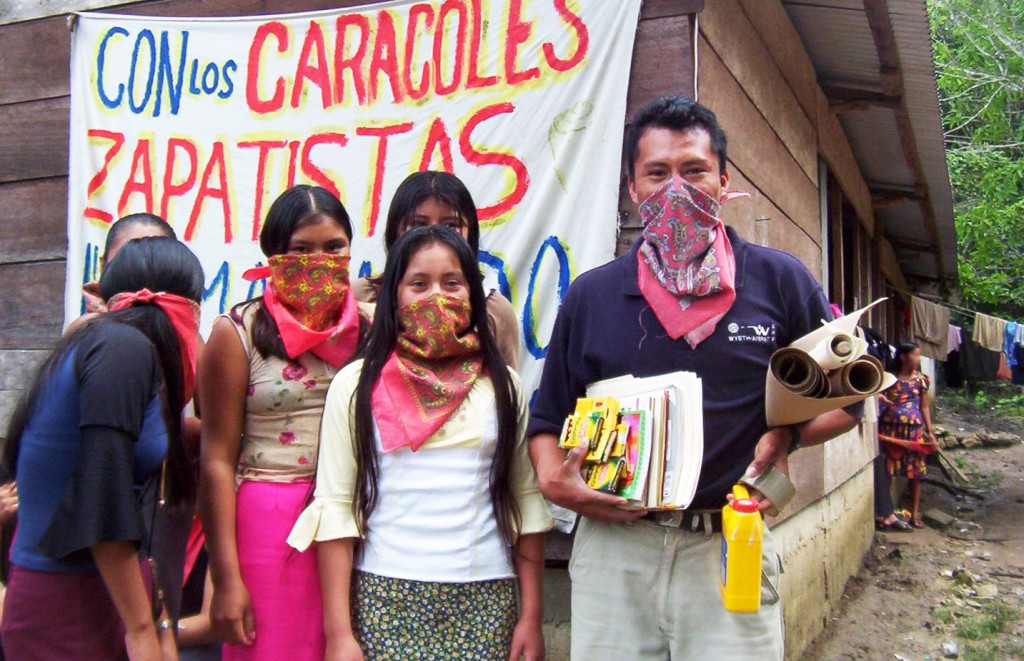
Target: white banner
{"points": [[205, 121]]}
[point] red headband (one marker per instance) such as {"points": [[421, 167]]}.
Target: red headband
{"points": [[184, 316]]}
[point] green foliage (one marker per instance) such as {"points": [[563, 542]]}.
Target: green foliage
{"points": [[979, 57], [992, 620], [984, 399]]}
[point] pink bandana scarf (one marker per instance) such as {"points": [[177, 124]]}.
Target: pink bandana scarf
{"points": [[687, 269], [309, 298], [430, 373]]}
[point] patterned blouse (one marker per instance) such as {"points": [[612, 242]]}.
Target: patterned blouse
{"points": [[283, 407], [903, 418]]}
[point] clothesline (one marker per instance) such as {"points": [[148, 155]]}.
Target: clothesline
{"points": [[944, 304]]}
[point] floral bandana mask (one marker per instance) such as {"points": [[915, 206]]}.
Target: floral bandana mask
{"points": [[309, 298], [312, 287], [429, 375], [687, 269]]}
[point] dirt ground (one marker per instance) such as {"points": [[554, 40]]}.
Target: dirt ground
{"points": [[945, 592]]}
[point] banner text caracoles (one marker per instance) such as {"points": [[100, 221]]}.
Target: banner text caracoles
{"points": [[357, 59]]}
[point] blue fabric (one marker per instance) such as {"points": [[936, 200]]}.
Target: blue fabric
{"points": [[51, 446], [605, 328], [1009, 340]]}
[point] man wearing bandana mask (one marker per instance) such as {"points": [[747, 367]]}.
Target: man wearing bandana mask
{"points": [[691, 295]]}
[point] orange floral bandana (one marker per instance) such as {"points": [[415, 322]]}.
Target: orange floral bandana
{"points": [[309, 298], [430, 373]]}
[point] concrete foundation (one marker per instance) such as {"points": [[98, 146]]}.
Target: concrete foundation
{"points": [[822, 546]]}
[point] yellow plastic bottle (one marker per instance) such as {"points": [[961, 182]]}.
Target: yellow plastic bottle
{"points": [[742, 532]]}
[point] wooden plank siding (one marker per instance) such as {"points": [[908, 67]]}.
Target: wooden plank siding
{"points": [[755, 147], [723, 23]]}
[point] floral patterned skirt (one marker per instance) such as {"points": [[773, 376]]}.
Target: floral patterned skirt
{"points": [[907, 426], [412, 620], [910, 465]]}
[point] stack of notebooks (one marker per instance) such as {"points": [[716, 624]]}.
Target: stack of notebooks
{"points": [[645, 438]]}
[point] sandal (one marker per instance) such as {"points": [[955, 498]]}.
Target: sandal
{"points": [[899, 525], [918, 523]]}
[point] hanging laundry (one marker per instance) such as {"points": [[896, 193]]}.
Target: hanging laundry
{"points": [[1018, 339], [956, 335], [877, 346], [1018, 369], [1009, 341], [988, 331], [1004, 373], [953, 370], [929, 326], [977, 362]]}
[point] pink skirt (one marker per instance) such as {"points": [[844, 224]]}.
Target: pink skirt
{"points": [[284, 584]]}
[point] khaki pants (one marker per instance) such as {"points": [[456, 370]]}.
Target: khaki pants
{"points": [[641, 591]]}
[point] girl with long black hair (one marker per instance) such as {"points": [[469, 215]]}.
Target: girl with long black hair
{"points": [[423, 459], [439, 198], [99, 427], [265, 373]]}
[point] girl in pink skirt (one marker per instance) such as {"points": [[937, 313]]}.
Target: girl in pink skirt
{"points": [[265, 372]]}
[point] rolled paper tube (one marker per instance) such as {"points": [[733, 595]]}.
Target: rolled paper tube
{"points": [[799, 373], [834, 351], [861, 377]]}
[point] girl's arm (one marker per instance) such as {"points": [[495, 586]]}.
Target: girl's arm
{"points": [[528, 637], [334, 562], [118, 563], [224, 381], [195, 629], [926, 413]]}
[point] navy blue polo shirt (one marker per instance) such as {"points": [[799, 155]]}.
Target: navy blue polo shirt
{"points": [[605, 329]]}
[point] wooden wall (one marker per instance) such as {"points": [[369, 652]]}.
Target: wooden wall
{"points": [[34, 104], [756, 76]]}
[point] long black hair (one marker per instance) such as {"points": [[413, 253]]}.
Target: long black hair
{"points": [[160, 264], [297, 207], [121, 225], [420, 187], [902, 349], [381, 343]]}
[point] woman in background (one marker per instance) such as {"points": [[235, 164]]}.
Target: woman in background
{"points": [[123, 230], [438, 198], [100, 426], [905, 418], [264, 375]]}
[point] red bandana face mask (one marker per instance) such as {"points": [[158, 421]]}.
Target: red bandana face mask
{"points": [[687, 269], [184, 316], [429, 375], [308, 296]]}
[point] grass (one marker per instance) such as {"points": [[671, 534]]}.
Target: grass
{"points": [[1003, 398], [978, 480], [989, 481], [993, 651], [980, 630], [991, 621], [944, 614]]}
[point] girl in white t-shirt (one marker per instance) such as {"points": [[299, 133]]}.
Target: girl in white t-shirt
{"points": [[423, 462]]}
